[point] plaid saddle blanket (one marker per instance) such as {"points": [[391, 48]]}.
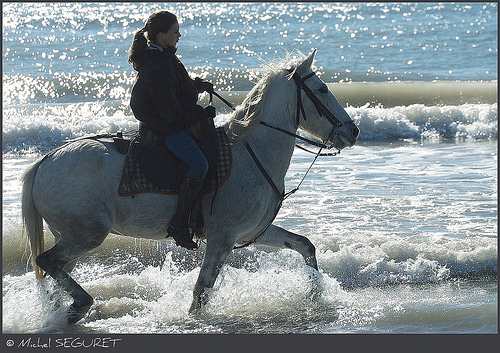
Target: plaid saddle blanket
{"points": [[150, 170]]}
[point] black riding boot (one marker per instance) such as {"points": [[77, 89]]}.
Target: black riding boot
{"points": [[196, 217], [178, 228]]}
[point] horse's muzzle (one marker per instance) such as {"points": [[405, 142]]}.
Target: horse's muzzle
{"points": [[344, 136]]}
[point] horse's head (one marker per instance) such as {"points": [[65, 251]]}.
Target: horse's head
{"points": [[318, 111]]}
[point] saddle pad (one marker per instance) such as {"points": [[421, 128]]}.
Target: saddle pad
{"points": [[134, 180]]}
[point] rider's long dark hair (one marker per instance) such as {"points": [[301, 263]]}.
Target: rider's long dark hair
{"points": [[159, 21]]}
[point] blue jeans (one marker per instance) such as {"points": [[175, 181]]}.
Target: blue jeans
{"points": [[182, 145]]}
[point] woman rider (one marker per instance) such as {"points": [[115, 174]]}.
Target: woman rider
{"points": [[164, 98]]}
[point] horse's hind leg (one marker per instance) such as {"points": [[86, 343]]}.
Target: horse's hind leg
{"points": [[63, 255], [53, 261], [71, 264]]}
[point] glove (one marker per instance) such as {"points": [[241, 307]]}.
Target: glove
{"points": [[203, 86], [210, 111]]}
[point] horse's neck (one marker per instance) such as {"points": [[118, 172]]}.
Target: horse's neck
{"points": [[273, 148]]}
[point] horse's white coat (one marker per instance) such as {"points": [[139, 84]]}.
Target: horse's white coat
{"points": [[75, 187]]}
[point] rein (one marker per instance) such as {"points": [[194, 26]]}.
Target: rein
{"points": [[286, 132], [322, 111]]}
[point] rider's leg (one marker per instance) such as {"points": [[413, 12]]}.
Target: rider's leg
{"points": [[182, 145]]}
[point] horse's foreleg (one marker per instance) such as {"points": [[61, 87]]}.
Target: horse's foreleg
{"points": [[278, 237], [215, 255]]}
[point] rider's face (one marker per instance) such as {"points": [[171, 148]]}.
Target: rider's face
{"points": [[170, 38]]}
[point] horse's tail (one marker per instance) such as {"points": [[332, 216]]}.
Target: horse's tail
{"points": [[32, 220]]}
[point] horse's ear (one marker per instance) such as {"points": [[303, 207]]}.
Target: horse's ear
{"points": [[306, 65]]}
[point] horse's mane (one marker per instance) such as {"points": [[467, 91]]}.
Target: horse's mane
{"points": [[248, 113]]}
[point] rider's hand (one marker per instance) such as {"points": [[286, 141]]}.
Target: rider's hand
{"points": [[203, 86], [210, 111]]}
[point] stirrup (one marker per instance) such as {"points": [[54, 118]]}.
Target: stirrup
{"points": [[181, 239]]}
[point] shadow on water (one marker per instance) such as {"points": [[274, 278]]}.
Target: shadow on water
{"points": [[300, 318]]}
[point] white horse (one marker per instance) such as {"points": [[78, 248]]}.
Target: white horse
{"points": [[74, 187]]}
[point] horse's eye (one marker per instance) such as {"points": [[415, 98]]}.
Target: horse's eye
{"points": [[323, 90]]}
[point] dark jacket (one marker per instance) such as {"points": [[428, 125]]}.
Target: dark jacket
{"points": [[164, 96]]}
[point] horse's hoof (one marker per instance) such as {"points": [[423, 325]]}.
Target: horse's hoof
{"points": [[315, 295], [76, 313], [194, 309], [197, 303], [316, 289]]}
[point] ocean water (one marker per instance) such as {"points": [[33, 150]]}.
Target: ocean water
{"points": [[404, 223]]}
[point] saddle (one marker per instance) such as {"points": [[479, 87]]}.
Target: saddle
{"points": [[151, 168]]}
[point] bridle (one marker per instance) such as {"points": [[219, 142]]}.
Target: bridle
{"points": [[322, 111], [320, 107]]}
